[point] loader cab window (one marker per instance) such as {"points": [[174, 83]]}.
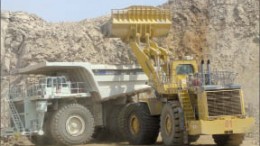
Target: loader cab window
{"points": [[184, 69]]}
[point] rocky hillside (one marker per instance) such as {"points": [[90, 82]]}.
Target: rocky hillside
{"points": [[227, 31], [28, 39]]}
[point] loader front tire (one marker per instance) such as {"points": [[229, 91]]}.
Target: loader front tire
{"points": [[172, 122], [72, 124], [141, 128]]}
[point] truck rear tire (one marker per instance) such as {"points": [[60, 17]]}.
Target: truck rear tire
{"points": [[72, 124], [112, 132], [140, 127], [171, 124], [115, 123], [230, 140]]}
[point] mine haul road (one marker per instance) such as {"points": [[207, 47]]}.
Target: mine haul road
{"points": [[203, 141]]}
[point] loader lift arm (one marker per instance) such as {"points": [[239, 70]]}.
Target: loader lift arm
{"points": [[137, 25]]}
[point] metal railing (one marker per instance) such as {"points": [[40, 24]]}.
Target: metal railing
{"points": [[40, 90], [213, 78], [164, 79], [78, 87], [17, 91]]}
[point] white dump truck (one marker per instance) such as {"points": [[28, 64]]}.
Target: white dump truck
{"points": [[72, 102]]}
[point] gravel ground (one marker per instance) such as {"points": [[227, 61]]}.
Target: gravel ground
{"points": [[203, 141]]}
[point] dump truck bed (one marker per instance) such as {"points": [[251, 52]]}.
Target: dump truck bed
{"points": [[109, 81]]}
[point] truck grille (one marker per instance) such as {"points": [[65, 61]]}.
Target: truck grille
{"points": [[224, 103]]}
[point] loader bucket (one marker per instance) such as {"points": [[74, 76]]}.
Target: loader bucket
{"points": [[124, 23]]}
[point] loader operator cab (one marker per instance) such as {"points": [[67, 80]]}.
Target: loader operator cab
{"points": [[184, 69]]}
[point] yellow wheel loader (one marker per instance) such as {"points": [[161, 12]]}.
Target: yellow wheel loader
{"points": [[189, 100]]}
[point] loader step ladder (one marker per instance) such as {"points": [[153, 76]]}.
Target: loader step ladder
{"points": [[186, 104], [16, 117]]}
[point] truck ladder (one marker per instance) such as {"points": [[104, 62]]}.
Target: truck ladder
{"points": [[186, 104], [16, 117]]}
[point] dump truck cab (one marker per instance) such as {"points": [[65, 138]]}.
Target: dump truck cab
{"points": [[59, 83], [50, 86]]}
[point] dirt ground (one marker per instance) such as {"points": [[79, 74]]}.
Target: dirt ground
{"points": [[203, 141]]}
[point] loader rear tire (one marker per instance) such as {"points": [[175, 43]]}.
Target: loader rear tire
{"points": [[172, 122], [228, 140], [141, 128], [72, 124]]}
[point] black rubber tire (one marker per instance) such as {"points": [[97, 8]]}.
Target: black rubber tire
{"points": [[172, 110], [42, 140], [148, 125], [101, 134], [39, 140], [112, 131], [121, 120], [58, 124], [229, 140], [115, 123], [45, 139], [193, 138]]}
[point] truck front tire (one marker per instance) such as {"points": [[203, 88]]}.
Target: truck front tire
{"points": [[140, 127], [72, 124]]}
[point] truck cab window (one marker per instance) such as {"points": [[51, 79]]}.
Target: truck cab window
{"points": [[63, 82], [49, 82], [54, 82]]}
